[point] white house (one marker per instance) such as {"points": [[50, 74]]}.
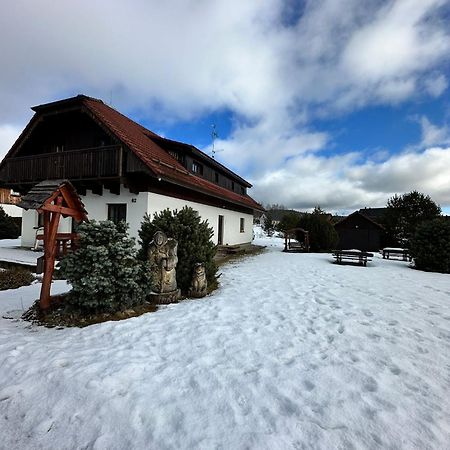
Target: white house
{"points": [[123, 171]]}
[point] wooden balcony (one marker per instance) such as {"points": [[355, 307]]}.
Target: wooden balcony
{"points": [[90, 163]]}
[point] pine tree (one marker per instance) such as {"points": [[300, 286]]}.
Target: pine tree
{"points": [[104, 271], [405, 213], [194, 242]]}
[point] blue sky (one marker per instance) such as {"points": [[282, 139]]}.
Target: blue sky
{"points": [[341, 103]]}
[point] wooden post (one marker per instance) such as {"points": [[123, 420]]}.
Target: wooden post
{"points": [[50, 230]]}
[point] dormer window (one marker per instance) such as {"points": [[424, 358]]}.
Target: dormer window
{"points": [[232, 185], [242, 190], [174, 154], [216, 177], [197, 168]]}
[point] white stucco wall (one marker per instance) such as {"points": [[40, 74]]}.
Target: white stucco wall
{"points": [[231, 235], [30, 222], [97, 206], [147, 202]]}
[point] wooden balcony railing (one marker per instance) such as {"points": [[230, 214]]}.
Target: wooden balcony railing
{"points": [[99, 162]]}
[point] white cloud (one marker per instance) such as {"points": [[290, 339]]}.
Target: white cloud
{"points": [[346, 183], [393, 45], [8, 135], [180, 59], [432, 134], [435, 85]]}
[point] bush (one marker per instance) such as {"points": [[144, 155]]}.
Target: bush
{"points": [[8, 226], [15, 278], [104, 271], [430, 246], [322, 235], [194, 242]]}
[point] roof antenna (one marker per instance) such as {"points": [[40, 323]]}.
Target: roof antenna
{"points": [[214, 136]]}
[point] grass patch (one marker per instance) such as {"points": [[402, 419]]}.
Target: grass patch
{"points": [[62, 314], [15, 278]]}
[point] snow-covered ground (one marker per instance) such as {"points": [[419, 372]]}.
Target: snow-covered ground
{"points": [[292, 352], [11, 251]]}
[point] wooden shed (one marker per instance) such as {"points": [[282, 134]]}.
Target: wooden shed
{"points": [[357, 231]]}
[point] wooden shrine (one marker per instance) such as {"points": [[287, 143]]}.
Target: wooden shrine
{"points": [[291, 244], [53, 199]]}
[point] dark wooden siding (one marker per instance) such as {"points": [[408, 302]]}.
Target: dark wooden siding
{"points": [[64, 132], [357, 232]]}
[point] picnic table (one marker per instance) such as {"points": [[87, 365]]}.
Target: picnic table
{"points": [[392, 251], [352, 257]]}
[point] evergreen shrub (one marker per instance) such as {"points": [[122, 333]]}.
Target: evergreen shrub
{"points": [[288, 221], [430, 246], [194, 242], [105, 274], [322, 235], [268, 224], [8, 226]]}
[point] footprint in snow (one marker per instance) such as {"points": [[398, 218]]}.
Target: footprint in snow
{"points": [[370, 385], [374, 337]]}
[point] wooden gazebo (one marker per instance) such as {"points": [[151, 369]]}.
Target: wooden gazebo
{"points": [[291, 244], [53, 199]]}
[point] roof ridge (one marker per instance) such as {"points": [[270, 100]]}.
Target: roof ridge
{"points": [[118, 112]]}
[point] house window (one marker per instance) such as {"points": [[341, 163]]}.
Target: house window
{"points": [[197, 168], [174, 154], [216, 177], [242, 190], [117, 212], [40, 220], [232, 185], [242, 225]]}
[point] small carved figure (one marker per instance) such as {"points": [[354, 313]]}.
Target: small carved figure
{"points": [[199, 284], [163, 259]]}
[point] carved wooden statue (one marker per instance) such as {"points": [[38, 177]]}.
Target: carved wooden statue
{"points": [[163, 259], [199, 284]]}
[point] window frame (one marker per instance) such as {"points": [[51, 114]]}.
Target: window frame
{"points": [[197, 168], [115, 217]]}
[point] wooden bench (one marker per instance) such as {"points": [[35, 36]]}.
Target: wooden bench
{"points": [[403, 252], [352, 256], [64, 242], [294, 245]]}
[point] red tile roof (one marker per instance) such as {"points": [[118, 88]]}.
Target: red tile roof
{"points": [[138, 139]]}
